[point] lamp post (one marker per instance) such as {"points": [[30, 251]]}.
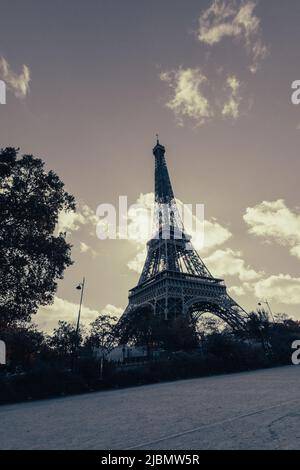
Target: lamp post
{"points": [[76, 343], [269, 308], [81, 288]]}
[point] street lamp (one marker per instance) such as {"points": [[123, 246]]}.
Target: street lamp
{"points": [[81, 288], [269, 308]]}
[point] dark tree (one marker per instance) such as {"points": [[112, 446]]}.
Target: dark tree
{"points": [[101, 334], [259, 328], [64, 339], [141, 329], [146, 329], [179, 334], [258, 325], [24, 342], [32, 256]]}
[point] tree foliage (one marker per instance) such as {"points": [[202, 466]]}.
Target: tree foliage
{"points": [[144, 328], [24, 341], [141, 328], [101, 334], [32, 256], [64, 339]]}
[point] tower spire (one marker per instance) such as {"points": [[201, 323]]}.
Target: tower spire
{"points": [[163, 188]]}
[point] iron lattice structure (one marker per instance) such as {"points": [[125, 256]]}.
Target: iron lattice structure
{"points": [[174, 280]]}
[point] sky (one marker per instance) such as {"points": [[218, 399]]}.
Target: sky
{"points": [[89, 84]]}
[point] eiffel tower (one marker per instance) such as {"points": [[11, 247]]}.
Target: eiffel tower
{"points": [[174, 280]]}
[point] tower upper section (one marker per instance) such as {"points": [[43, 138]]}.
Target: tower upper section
{"points": [[163, 188]]}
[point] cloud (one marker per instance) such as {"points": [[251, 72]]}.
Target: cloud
{"points": [[281, 288], [69, 222], [49, 315], [72, 221], [232, 106], [83, 220], [199, 95], [18, 84], [140, 218], [140, 228], [274, 221], [235, 19], [196, 98], [137, 263], [140, 222], [214, 235], [188, 99], [237, 291], [84, 248], [295, 251], [230, 263], [112, 310]]}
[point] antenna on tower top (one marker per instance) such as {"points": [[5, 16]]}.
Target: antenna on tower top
{"points": [[157, 139]]}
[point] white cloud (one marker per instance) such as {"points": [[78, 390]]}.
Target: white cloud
{"points": [[140, 228], [295, 251], [195, 97], [84, 248], [214, 235], [188, 99], [140, 220], [236, 19], [140, 224], [281, 288], [274, 221], [136, 264], [112, 310], [230, 263], [237, 291], [49, 315], [71, 221], [232, 106], [18, 84], [195, 94]]}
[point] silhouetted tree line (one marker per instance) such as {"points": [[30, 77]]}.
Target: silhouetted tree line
{"points": [[32, 256], [40, 365]]}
